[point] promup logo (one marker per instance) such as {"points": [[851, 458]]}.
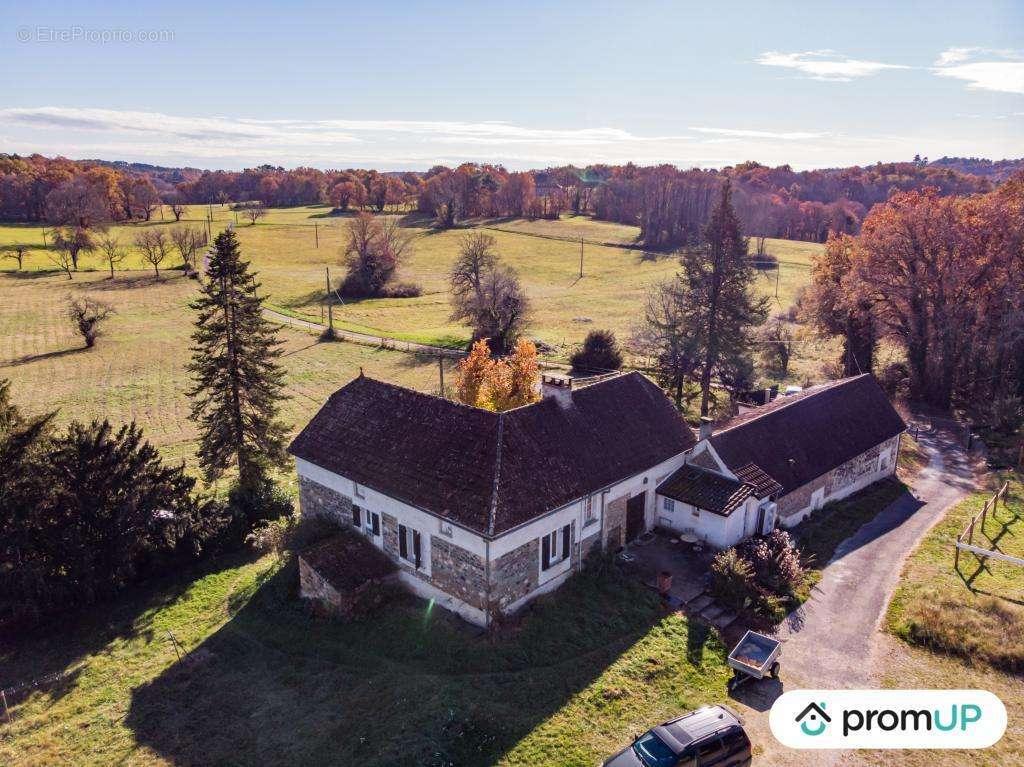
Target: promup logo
{"points": [[888, 719], [813, 720]]}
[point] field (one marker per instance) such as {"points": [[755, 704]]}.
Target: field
{"points": [[137, 370], [586, 669], [292, 247]]}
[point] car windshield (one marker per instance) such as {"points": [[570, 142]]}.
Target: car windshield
{"points": [[653, 752]]}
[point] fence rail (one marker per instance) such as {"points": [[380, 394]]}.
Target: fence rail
{"points": [[979, 519]]}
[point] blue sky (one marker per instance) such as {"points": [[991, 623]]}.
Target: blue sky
{"points": [[405, 85]]}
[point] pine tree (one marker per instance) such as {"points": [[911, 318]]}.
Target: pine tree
{"points": [[700, 323], [237, 379]]}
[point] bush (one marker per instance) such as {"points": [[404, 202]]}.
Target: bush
{"points": [[600, 353], [761, 577], [732, 579], [894, 378], [291, 533], [776, 562]]}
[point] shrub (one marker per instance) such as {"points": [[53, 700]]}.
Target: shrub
{"points": [[894, 378], [87, 314], [732, 579], [599, 354], [776, 562], [290, 533]]}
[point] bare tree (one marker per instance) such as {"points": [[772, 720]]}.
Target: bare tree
{"points": [[178, 209], [87, 314], [17, 252], [188, 240], [254, 211], [152, 242], [68, 243], [112, 249], [372, 255], [476, 258]]}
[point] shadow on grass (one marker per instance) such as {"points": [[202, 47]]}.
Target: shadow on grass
{"points": [[410, 686], [52, 652], [30, 358], [133, 281]]}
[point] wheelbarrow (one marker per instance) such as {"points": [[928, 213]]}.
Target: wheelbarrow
{"points": [[755, 657]]}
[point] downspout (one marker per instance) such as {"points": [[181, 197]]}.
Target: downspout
{"points": [[487, 582]]}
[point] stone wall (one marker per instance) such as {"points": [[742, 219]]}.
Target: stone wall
{"points": [[515, 574], [615, 523], [315, 500], [800, 498], [389, 530], [458, 572], [314, 587]]}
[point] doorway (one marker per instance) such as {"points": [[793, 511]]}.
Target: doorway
{"points": [[635, 508]]}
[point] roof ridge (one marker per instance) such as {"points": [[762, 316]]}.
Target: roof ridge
{"points": [[793, 400], [492, 513], [409, 389]]}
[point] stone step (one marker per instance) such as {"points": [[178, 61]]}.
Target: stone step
{"points": [[698, 604], [711, 612], [723, 621]]}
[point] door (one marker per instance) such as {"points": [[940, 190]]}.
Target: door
{"points": [[635, 508]]}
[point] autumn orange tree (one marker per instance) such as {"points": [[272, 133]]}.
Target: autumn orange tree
{"points": [[498, 384], [943, 277]]}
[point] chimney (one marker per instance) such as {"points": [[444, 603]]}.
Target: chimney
{"points": [[707, 427], [558, 388]]}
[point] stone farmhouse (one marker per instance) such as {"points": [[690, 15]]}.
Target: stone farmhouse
{"points": [[484, 511]]}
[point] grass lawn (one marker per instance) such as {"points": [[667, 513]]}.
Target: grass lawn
{"points": [[587, 668], [137, 369], [292, 247], [963, 630]]}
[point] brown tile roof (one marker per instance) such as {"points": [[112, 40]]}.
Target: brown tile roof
{"points": [[798, 438], [487, 471], [764, 485], [705, 489]]}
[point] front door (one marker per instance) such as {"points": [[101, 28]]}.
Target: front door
{"points": [[635, 507]]}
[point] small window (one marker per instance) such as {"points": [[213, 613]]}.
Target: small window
{"points": [[668, 504], [588, 510], [409, 547], [555, 547], [357, 518]]}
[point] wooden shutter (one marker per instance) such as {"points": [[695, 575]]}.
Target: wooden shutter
{"points": [[376, 524], [416, 547], [566, 541], [355, 516], [403, 544], [545, 555]]}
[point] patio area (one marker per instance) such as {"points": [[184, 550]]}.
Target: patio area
{"points": [[658, 553]]}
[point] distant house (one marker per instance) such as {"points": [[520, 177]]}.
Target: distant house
{"points": [[484, 511]]}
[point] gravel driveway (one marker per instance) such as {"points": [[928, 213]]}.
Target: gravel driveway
{"points": [[830, 641]]}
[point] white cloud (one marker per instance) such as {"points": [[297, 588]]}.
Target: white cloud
{"points": [[1001, 71], [825, 65], [744, 133]]}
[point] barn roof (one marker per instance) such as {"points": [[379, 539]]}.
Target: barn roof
{"points": [[800, 437], [491, 472]]}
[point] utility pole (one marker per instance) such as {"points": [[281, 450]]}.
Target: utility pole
{"points": [[581, 258], [330, 306], [440, 371], [778, 269], [316, 233]]}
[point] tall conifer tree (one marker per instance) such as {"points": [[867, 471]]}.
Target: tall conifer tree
{"points": [[237, 378]]}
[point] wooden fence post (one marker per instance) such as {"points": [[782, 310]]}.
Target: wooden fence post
{"points": [[7, 712]]}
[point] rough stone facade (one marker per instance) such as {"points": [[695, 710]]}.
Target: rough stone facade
{"points": [[389, 530], [515, 574], [615, 523], [588, 544], [458, 572], [840, 478], [315, 500]]}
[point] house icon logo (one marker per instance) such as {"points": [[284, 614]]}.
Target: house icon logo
{"points": [[813, 720]]}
